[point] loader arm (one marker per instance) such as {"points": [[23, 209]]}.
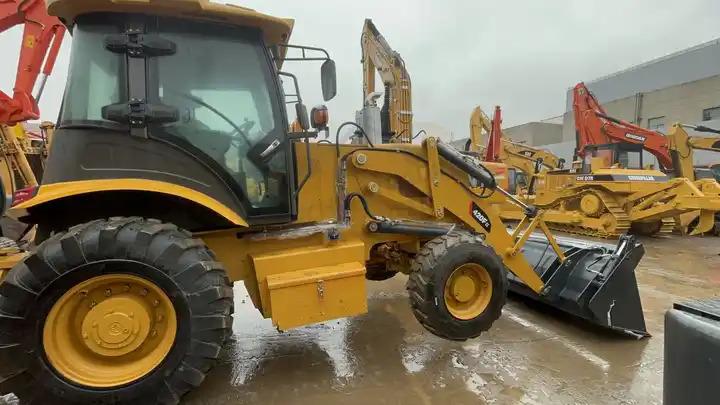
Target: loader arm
{"points": [[455, 193], [42, 37], [450, 196], [378, 56]]}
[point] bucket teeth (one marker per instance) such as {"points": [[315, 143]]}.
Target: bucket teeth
{"points": [[596, 282]]}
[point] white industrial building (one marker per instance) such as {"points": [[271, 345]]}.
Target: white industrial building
{"points": [[680, 87]]}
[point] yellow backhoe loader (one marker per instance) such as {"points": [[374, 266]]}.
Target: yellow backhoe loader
{"points": [[178, 177]]}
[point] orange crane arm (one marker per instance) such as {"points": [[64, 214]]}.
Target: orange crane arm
{"points": [[494, 145], [42, 37], [594, 127]]}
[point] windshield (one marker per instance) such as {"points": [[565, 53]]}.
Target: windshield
{"points": [[219, 81], [96, 77]]}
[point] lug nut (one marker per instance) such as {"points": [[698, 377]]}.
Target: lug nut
{"points": [[144, 292], [156, 303], [108, 292]]}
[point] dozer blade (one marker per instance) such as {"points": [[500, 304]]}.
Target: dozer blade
{"points": [[596, 282]]}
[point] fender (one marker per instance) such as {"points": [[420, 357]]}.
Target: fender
{"points": [[51, 192]]}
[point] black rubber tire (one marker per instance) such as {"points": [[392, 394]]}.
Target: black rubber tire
{"points": [[183, 267], [431, 269]]}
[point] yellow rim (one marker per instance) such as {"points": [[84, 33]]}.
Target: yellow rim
{"points": [[468, 291], [109, 330]]}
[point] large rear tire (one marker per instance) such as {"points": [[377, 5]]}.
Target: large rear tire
{"points": [[125, 310], [457, 287]]}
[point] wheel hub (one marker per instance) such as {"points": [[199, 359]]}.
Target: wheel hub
{"points": [[463, 288], [468, 291], [116, 326], [109, 330]]}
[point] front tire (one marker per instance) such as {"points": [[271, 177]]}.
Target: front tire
{"points": [[113, 311], [457, 286]]}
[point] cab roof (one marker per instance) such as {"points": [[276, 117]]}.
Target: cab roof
{"points": [[275, 30]]}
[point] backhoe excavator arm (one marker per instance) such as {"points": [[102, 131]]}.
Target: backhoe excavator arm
{"points": [[480, 125], [682, 146], [594, 127], [377, 55], [502, 150], [42, 37]]}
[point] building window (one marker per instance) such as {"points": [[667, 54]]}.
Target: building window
{"points": [[656, 124], [711, 114]]}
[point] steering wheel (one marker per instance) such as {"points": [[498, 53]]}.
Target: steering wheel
{"points": [[237, 129]]}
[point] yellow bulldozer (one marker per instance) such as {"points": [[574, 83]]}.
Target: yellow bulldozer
{"points": [[178, 176], [608, 193]]}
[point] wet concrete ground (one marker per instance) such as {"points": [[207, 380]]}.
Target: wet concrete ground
{"points": [[530, 356]]}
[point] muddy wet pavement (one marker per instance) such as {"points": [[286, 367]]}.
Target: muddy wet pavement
{"points": [[530, 356]]}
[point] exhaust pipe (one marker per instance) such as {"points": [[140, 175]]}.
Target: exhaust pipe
{"points": [[597, 281]]}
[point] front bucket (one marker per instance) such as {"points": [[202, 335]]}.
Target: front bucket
{"points": [[596, 282]]}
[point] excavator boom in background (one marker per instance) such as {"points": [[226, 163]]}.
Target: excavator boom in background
{"points": [[673, 151], [42, 37], [396, 115]]}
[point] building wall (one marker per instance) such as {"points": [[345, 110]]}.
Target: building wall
{"points": [[535, 133]]}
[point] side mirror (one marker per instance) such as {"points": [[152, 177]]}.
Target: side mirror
{"points": [[328, 79], [302, 116], [319, 117]]}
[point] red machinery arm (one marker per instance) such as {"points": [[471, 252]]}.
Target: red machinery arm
{"points": [[42, 37], [594, 127], [492, 152]]}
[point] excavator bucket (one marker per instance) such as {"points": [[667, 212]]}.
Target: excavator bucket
{"points": [[596, 282]]}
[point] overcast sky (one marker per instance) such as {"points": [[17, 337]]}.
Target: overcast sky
{"points": [[522, 55]]}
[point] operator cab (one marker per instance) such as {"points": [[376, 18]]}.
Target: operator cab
{"points": [[185, 101], [622, 155]]}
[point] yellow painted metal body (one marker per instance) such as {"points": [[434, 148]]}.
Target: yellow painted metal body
{"points": [[55, 191], [570, 201], [109, 330], [275, 30], [15, 169], [297, 264]]}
